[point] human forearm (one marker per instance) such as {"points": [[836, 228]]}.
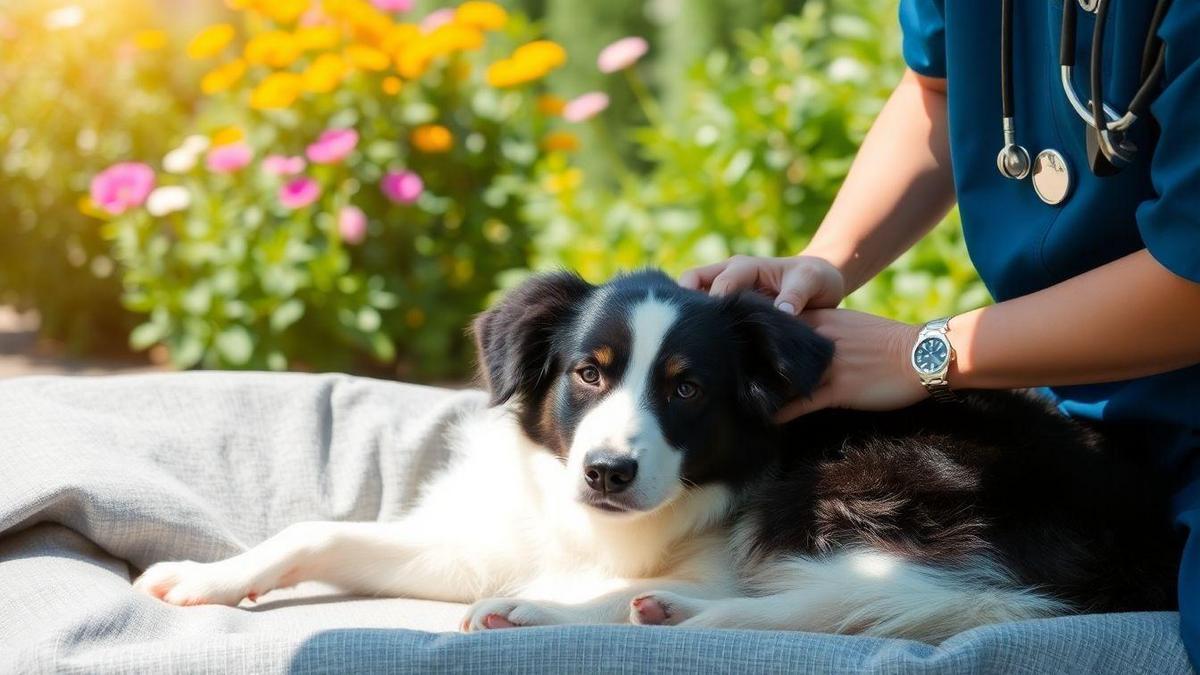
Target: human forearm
{"points": [[1130, 318], [899, 186]]}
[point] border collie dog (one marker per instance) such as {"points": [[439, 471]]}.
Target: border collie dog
{"points": [[629, 471]]}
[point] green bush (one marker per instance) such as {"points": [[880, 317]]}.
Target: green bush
{"points": [[78, 93], [750, 165]]}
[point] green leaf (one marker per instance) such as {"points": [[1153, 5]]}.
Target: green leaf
{"points": [[369, 319], [146, 334], [187, 351], [235, 345], [286, 314]]}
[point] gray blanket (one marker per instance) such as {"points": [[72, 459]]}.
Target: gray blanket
{"points": [[101, 477]]}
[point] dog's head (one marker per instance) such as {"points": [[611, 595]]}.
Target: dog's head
{"points": [[642, 388]]}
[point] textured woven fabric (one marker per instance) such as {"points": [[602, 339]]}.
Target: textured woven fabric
{"points": [[101, 477]]}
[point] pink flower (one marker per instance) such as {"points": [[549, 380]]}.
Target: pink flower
{"points": [[299, 193], [352, 225], [229, 158], [585, 107], [282, 165], [435, 20], [402, 187], [393, 5], [333, 146], [122, 187], [621, 54]]}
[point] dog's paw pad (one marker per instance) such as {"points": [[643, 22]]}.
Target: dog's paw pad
{"points": [[648, 611], [661, 608], [495, 613], [492, 621]]}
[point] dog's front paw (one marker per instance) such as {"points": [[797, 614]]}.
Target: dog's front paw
{"points": [[660, 608], [495, 613], [191, 583]]}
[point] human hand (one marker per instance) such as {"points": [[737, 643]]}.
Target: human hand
{"points": [[870, 368], [795, 282]]}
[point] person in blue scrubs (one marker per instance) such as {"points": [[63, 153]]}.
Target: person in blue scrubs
{"points": [[1097, 296]]}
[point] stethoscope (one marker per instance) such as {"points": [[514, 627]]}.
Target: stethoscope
{"points": [[1109, 149]]}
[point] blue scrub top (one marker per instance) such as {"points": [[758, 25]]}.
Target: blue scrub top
{"points": [[1021, 245]]}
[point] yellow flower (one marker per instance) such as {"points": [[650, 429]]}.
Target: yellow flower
{"points": [[227, 136], [210, 41], [563, 182], [399, 36], [274, 48], [367, 58], [413, 59], [150, 40], [282, 11], [222, 78], [277, 90], [449, 38], [432, 138], [324, 74], [391, 85], [317, 38], [549, 55], [560, 141], [481, 15], [550, 105], [528, 63]]}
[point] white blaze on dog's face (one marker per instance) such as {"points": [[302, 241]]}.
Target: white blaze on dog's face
{"points": [[643, 389], [619, 454]]}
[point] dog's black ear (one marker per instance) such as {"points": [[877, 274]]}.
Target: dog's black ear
{"points": [[514, 339], [782, 358]]}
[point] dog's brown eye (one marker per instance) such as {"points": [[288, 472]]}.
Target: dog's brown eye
{"points": [[589, 375], [686, 390]]}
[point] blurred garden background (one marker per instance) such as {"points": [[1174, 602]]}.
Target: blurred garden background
{"points": [[342, 184]]}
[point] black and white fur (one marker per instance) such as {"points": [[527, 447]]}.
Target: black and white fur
{"points": [[630, 471]]}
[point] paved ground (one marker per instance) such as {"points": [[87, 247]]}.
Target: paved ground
{"points": [[22, 354]]}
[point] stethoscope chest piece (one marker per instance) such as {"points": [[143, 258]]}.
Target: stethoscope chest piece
{"points": [[1051, 177]]}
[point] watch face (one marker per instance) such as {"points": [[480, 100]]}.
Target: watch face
{"points": [[931, 355]]}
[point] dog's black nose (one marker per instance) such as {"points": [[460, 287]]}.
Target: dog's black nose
{"points": [[609, 473]]}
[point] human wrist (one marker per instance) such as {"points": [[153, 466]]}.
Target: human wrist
{"points": [[960, 330], [839, 256]]}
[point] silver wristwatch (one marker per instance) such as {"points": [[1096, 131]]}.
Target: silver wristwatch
{"points": [[931, 358]]}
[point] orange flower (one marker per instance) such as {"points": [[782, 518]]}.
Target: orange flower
{"points": [[560, 141], [432, 138], [391, 85], [324, 74], [481, 15], [222, 78], [277, 90], [150, 40], [367, 58], [550, 105], [274, 48], [210, 41]]}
